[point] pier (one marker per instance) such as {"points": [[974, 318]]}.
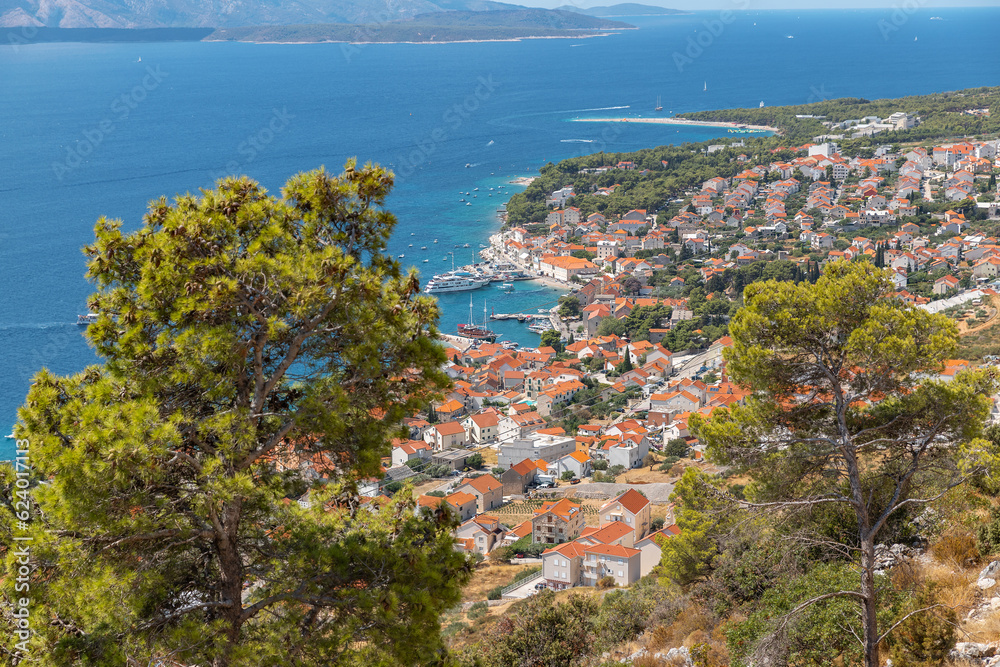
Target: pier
{"points": [[520, 317]]}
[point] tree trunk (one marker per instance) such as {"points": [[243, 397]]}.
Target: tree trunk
{"points": [[869, 605], [231, 571]]}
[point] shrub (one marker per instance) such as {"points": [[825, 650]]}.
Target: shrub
{"points": [[614, 471], [599, 464], [495, 593], [501, 555], [524, 574], [956, 546], [478, 610], [567, 475], [453, 629], [676, 447], [656, 524], [988, 534], [668, 463], [436, 494], [649, 460], [606, 582]]}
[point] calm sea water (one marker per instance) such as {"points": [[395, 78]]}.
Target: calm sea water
{"points": [[99, 129]]}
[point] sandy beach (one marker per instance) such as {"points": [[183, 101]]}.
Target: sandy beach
{"points": [[552, 282], [523, 180], [678, 121]]}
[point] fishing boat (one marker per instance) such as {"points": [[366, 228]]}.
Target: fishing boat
{"points": [[506, 287], [84, 320], [401, 256], [473, 330]]}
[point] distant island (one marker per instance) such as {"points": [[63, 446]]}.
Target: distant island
{"points": [[623, 9], [300, 21]]}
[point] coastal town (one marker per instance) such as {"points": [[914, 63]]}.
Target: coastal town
{"points": [[562, 458]]}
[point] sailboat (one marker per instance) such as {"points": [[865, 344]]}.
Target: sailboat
{"points": [[762, 104], [659, 107], [473, 330], [706, 86]]}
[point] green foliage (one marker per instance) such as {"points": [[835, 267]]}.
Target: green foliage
{"points": [[475, 461], [497, 471], [616, 470], [569, 306], [925, 638], [700, 516], [610, 326], [538, 631], [988, 534], [668, 463], [551, 338], [235, 328], [567, 475], [599, 464], [477, 610], [880, 437], [495, 593], [816, 633], [676, 447], [624, 614]]}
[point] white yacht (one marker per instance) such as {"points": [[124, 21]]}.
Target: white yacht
{"points": [[454, 281], [84, 320]]}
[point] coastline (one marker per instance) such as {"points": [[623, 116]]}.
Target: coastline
{"points": [[453, 41], [680, 121]]}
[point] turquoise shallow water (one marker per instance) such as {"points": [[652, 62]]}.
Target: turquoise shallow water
{"points": [[100, 129]]}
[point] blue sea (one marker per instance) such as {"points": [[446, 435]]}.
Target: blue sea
{"points": [[90, 130]]}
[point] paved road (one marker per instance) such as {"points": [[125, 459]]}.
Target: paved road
{"points": [[524, 590]]}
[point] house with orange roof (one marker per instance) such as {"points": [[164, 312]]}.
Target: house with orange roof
{"points": [[616, 532], [446, 436], [488, 492], [480, 534], [651, 547], [557, 394], [575, 462], [561, 565], [483, 428], [450, 410], [621, 563], [945, 283], [630, 507], [405, 450], [565, 268], [556, 521], [629, 450], [463, 504], [522, 529], [521, 475]]}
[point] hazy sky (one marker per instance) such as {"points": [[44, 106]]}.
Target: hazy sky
{"points": [[765, 4]]}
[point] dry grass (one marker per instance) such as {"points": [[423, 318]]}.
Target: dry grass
{"points": [[486, 578], [956, 547]]}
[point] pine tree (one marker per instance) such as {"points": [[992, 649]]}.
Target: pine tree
{"points": [[240, 334]]}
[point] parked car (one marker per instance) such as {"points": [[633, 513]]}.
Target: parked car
{"points": [[574, 481]]}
